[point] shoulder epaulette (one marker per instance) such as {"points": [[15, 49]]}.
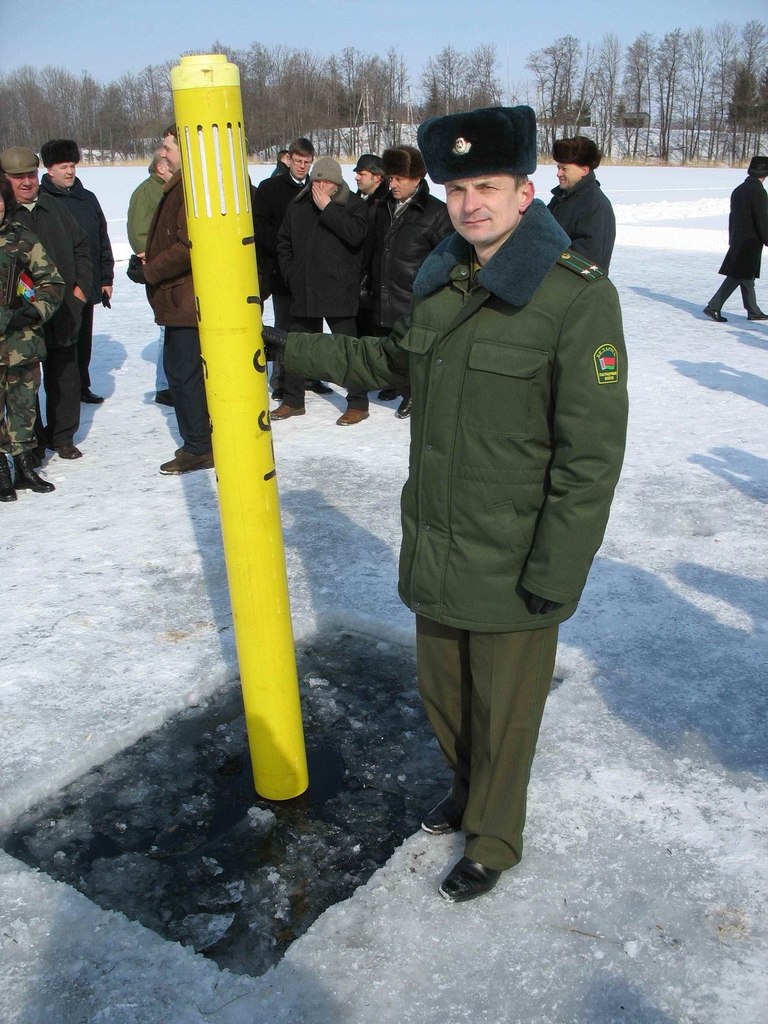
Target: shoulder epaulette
{"points": [[581, 265]]}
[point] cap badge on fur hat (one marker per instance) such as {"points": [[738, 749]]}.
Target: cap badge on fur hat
{"points": [[491, 140]]}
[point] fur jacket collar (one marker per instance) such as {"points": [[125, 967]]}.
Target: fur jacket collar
{"points": [[514, 272]]}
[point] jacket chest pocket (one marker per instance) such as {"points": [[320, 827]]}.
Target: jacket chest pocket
{"points": [[502, 388]]}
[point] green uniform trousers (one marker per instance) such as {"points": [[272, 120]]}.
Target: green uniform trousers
{"points": [[19, 385], [484, 694]]}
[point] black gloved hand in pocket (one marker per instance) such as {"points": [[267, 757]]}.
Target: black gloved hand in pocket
{"points": [[135, 270]]}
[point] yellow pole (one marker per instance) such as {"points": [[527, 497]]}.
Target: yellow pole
{"points": [[209, 118]]}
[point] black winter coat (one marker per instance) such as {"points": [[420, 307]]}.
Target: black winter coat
{"points": [[87, 211], [747, 230], [321, 253], [270, 201], [397, 248], [67, 245], [585, 214]]}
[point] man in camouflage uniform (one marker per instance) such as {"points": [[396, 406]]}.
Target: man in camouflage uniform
{"points": [[31, 290], [67, 245], [515, 353]]}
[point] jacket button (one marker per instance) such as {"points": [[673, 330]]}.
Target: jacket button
{"points": [[428, 447], [426, 526], [438, 362]]}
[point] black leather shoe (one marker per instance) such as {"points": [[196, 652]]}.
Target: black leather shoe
{"points": [[404, 410], [68, 451], [164, 397], [757, 316], [444, 818], [26, 477], [318, 387], [388, 395], [716, 315], [87, 396], [467, 880]]}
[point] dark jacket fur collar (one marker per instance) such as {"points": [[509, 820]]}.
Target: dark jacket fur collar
{"points": [[515, 271]]}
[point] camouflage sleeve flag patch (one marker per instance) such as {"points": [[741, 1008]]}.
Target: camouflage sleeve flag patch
{"points": [[607, 364]]}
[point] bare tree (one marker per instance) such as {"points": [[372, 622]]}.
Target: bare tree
{"points": [[636, 105], [606, 79], [482, 86], [556, 69], [694, 88], [724, 48], [667, 66], [444, 82]]}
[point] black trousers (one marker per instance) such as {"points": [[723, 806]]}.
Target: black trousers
{"points": [[85, 346], [183, 366], [61, 380], [294, 386]]}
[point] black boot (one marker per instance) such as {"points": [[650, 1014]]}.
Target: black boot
{"points": [[7, 492], [26, 475]]}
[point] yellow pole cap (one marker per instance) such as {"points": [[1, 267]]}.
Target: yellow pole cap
{"points": [[204, 70]]}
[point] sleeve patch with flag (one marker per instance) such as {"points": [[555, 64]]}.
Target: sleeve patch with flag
{"points": [[607, 364]]}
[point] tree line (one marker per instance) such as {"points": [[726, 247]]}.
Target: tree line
{"points": [[695, 96]]}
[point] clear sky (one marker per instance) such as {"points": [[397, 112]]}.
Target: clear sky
{"points": [[109, 39]]}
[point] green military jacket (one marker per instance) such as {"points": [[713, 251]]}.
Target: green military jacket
{"points": [[518, 376], [26, 275]]}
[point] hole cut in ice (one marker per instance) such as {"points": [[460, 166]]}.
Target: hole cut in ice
{"points": [[172, 833]]}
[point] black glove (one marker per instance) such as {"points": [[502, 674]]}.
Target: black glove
{"points": [[274, 341], [105, 300], [135, 270], [540, 605], [24, 316]]}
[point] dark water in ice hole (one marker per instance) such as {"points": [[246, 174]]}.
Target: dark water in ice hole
{"points": [[171, 832]]}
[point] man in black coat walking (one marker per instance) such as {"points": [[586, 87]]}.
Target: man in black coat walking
{"points": [[747, 234]]}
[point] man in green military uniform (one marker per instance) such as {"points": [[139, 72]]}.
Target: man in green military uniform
{"points": [[31, 290], [515, 354]]}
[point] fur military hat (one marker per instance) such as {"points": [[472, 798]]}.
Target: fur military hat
{"points": [[327, 169], [18, 160], [369, 162], [60, 151], [758, 166], [491, 140], [403, 162], [579, 150]]}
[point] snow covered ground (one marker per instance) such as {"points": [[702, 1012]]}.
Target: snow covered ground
{"points": [[641, 898]]}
